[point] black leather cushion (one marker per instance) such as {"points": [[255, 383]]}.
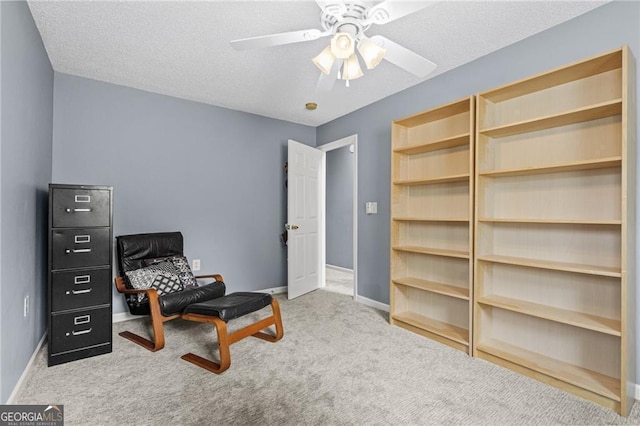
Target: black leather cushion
{"points": [[231, 306], [133, 249], [175, 303], [135, 307]]}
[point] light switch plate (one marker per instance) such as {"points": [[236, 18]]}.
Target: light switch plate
{"points": [[371, 207]]}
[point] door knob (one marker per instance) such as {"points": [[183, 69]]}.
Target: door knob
{"points": [[291, 227]]}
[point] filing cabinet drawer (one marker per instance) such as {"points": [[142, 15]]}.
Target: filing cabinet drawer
{"points": [[76, 207], [77, 289], [80, 329], [78, 248]]}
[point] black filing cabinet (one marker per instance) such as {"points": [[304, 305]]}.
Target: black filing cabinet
{"points": [[80, 259]]}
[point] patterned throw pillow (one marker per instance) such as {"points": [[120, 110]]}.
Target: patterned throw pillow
{"points": [[162, 276], [181, 264]]}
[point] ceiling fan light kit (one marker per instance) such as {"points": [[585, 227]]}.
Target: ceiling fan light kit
{"points": [[346, 21]]}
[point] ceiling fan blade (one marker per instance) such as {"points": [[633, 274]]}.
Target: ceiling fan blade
{"points": [[390, 10], [332, 7], [277, 39], [327, 81], [404, 58]]}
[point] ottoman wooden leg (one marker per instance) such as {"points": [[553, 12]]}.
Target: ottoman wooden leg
{"points": [[223, 343], [277, 321]]}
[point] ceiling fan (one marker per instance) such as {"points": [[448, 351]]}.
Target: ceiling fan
{"points": [[346, 21]]}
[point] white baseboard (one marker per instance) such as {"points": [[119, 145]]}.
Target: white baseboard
{"points": [[274, 290], [125, 316], [372, 303], [23, 376], [339, 268]]}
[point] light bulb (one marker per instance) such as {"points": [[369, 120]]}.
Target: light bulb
{"points": [[343, 41], [342, 45]]}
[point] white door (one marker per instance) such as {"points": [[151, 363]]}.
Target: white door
{"points": [[303, 218]]}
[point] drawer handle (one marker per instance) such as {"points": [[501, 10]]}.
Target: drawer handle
{"points": [[82, 279], [78, 210], [81, 291], [82, 320], [78, 251], [83, 198], [81, 332]]}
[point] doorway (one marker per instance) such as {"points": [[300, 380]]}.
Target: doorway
{"points": [[340, 219]]}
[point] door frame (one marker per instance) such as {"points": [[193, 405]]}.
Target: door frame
{"points": [[346, 141]]}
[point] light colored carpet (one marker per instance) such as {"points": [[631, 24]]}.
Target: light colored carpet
{"points": [[339, 281], [339, 362]]}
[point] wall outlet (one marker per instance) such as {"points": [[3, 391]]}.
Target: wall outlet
{"points": [[195, 264], [26, 306]]}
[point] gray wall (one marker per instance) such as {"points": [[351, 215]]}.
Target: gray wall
{"points": [[25, 171], [602, 29], [339, 215], [212, 173]]}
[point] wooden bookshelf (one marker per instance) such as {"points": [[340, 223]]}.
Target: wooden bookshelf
{"points": [[554, 228], [432, 221]]}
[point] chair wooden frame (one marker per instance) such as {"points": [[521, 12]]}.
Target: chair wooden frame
{"points": [[157, 319], [225, 339]]}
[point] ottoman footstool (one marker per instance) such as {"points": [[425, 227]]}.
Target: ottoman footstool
{"points": [[222, 309]]}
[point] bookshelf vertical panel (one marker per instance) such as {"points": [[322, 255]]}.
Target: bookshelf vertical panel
{"points": [[629, 189]]}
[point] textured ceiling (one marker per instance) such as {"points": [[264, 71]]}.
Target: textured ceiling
{"points": [[182, 49]]}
